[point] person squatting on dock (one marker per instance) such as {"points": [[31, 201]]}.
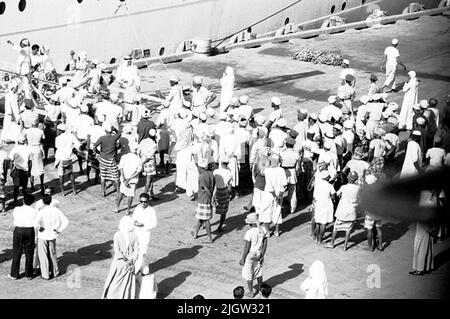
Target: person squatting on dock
{"points": [[324, 158]]}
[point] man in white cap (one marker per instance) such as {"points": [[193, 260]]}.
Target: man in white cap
{"points": [[65, 93], [347, 70], [233, 109], [108, 144], [346, 92], [20, 156], [245, 110], [276, 113], [65, 143], [11, 120], [82, 125], [130, 166], [146, 150], [331, 111], [412, 164], [93, 134], [391, 59], [175, 97], [278, 135], [127, 76], [201, 96]]}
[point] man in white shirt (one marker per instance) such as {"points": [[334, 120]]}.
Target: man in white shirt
{"points": [[144, 219], [129, 166], [20, 156], [23, 237], [109, 111], [245, 110], [391, 59], [277, 136], [82, 125], [175, 97], [50, 222], [201, 96], [128, 78], [276, 113], [65, 142]]}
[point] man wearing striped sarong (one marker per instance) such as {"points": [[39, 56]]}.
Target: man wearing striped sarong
{"points": [[204, 199], [109, 145], [222, 190]]}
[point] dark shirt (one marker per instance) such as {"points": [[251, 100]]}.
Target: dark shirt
{"points": [[205, 187], [143, 128], [124, 148], [108, 146]]}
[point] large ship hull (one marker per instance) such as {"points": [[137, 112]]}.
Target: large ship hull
{"points": [[111, 29]]}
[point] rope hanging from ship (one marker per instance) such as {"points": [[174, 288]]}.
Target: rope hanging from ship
{"points": [[253, 24]]}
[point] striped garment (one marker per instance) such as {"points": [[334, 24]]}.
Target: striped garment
{"points": [[203, 211], [149, 168], [223, 200], [108, 169], [341, 225]]}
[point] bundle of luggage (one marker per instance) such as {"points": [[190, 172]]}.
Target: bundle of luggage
{"points": [[318, 57]]}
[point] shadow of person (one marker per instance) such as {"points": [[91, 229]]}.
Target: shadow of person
{"points": [[297, 220], [166, 286], [174, 257], [6, 255], [393, 232], [296, 269], [236, 222], [84, 256], [441, 259]]}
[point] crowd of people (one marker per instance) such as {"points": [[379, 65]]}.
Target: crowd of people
{"points": [[100, 122]]}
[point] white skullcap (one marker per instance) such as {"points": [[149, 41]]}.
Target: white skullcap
{"points": [[202, 116], [107, 126], [345, 61], [210, 112], [348, 124], [332, 99], [394, 41], [313, 116], [186, 104], [174, 78], [393, 106], [244, 99], [61, 127], [421, 121], [412, 74], [198, 80], [234, 101], [323, 117], [94, 61], [416, 133], [275, 100], [84, 108], [416, 106], [424, 104], [259, 119]]}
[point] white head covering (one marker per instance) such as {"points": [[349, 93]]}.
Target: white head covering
{"points": [[198, 80], [394, 41], [275, 100], [126, 227], [244, 99], [412, 74], [318, 281]]}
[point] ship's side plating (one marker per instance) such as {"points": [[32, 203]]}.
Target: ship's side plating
{"points": [[111, 28]]}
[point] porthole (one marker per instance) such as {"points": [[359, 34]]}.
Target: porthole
{"points": [[249, 29], [343, 6], [333, 8], [286, 22], [79, 1], [22, 5], [161, 51], [363, 1], [2, 7]]}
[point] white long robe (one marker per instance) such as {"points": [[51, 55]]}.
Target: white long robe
{"points": [[410, 98], [11, 128], [413, 154], [226, 93]]}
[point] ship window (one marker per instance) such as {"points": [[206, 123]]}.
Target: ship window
{"points": [[286, 22], [161, 51], [79, 1], [343, 6], [333, 8], [22, 5], [249, 29], [363, 1], [2, 7]]}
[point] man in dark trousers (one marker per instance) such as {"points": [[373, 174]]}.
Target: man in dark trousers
{"points": [[23, 238]]}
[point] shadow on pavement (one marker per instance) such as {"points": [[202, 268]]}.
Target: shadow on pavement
{"points": [[295, 270], [174, 257]]}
